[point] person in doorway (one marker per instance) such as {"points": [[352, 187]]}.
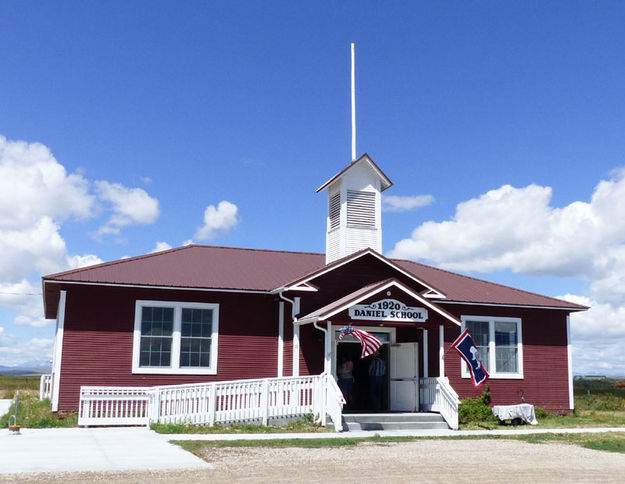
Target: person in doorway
{"points": [[346, 379], [377, 370]]}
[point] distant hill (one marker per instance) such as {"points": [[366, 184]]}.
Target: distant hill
{"points": [[24, 370]]}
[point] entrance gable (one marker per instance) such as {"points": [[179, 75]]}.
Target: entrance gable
{"points": [[387, 309], [364, 267]]}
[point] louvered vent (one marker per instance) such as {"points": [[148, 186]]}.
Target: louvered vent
{"points": [[361, 208], [335, 210]]}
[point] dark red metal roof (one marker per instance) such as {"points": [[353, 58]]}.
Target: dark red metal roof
{"points": [[209, 267], [201, 266]]}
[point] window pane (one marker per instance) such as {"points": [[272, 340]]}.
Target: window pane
{"points": [[480, 334], [506, 343], [157, 326], [195, 341]]}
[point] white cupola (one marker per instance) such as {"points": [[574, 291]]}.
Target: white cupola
{"points": [[354, 219]]}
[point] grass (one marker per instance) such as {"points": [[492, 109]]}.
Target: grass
{"points": [[297, 426], [27, 384], [36, 414]]}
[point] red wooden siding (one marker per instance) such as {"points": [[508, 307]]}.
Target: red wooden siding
{"points": [[545, 365], [99, 324]]}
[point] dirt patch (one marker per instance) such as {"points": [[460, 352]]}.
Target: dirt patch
{"points": [[426, 460]]}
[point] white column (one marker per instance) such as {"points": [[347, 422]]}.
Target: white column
{"points": [[441, 350], [569, 358], [327, 363], [425, 353], [281, 339], [58, 351], [295, 350]]}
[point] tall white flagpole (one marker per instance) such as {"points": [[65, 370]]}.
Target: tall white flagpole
{"points": [[353, 105]]}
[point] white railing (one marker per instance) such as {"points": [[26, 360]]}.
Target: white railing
{"points": [[45, 386], [236, 401], [334, 401], [239, 401], [114, 405], [427, 394], [448, 401]]}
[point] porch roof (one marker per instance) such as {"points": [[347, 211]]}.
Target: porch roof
{"points": [[367, 291]]}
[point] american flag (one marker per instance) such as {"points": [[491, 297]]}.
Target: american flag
{"points": [[369, 342]]}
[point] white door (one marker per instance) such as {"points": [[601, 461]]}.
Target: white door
{"points": [[404, 373]]}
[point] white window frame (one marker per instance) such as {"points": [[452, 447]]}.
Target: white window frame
{"points": [[492, 347], [175, 368]]}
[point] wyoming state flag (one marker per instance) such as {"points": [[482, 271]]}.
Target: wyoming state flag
{"points": [[469, 352]]}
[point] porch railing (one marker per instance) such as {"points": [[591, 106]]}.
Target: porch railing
{"points": [[427, 394], [114, 405], [45, 386], [448, 402], [239, 401]]}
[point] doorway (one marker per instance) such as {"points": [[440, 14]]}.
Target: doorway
{"points": [[363, 393]]}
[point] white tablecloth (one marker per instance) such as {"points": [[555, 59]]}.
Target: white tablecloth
{"points": [[523, 411]]}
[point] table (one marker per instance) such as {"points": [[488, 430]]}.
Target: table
{"points": [[524, 411]]}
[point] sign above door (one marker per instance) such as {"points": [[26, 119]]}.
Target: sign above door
{"points": [[388, 310]]}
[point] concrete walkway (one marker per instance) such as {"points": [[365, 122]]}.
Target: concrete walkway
{"points": [[137, 448], [91, 449]]}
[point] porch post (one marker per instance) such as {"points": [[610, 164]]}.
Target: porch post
{"points": [[327, 362], [425, 353], [281, 339], [296, 350], [441, 350]]}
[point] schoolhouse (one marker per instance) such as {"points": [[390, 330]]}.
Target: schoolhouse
{"points": [[203, 314]]}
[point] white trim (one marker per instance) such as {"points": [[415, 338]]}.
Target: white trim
{"points": [[327, 358], [58, 351], [175, 368], [425, 353], [353, 257], [398, 285], [441, 350], [569, 358], [295, 367], [510, 305], [281, 338], [491, 344], [147, 286]]}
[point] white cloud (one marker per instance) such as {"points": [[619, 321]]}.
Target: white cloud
{"points": [[130, 206], [160, 246], [36, 351], [33, 185], [518, 229], [218, 219], [394, 203]]}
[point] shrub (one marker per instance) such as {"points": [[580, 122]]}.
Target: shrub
{"points": [[540, 412], [474, 410]]}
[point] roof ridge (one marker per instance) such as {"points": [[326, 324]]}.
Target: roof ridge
{"points": [[161, 252], [487, 282]]}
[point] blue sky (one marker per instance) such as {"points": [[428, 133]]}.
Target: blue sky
{"points": [[158, 110]]}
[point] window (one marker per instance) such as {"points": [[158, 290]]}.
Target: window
{"points": [[175, 337], [500, 345]]}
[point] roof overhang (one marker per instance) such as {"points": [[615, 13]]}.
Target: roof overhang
{"points": [[385, 181], [366, 292]]}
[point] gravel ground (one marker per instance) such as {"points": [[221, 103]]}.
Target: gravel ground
{"points": [[426, 460]]}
